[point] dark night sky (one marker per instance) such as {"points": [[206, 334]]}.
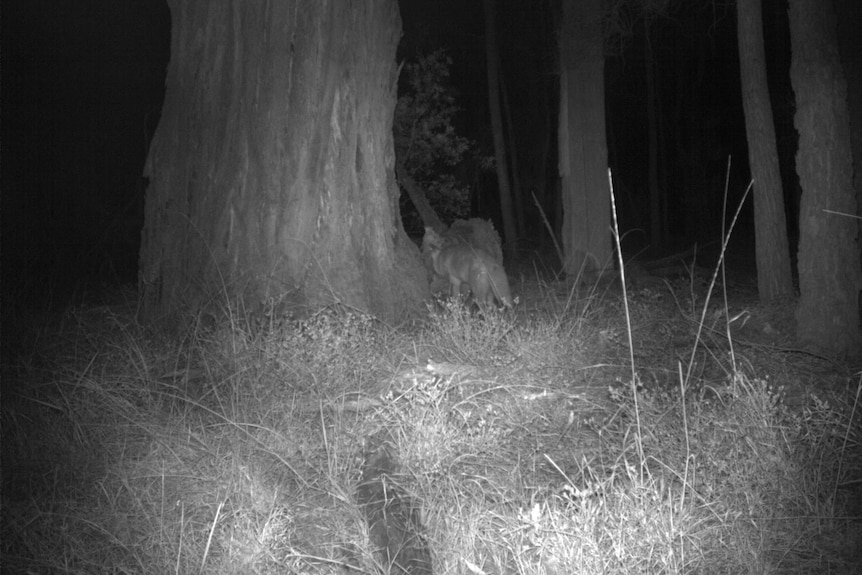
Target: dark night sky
{"points": [[82, 85]]}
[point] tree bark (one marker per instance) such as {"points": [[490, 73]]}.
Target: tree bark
{"points": [[582, 140], [493, 61], [774, 279], [272, 168], [829, 272]]}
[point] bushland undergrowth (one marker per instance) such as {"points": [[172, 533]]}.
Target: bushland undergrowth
{"points": [[241, 448]]}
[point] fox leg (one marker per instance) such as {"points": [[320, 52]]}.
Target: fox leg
{"points": [[479, 285], [454, 287]]}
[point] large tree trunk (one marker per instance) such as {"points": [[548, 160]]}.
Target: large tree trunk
{"points": [[829, 272], [272, 167], [774, 279], [582, 145], [493, 61]]}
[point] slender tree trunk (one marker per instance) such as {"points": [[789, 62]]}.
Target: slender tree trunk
{"points": [[657, 229], [850, 42], [582, 140], [271, 169], [537, 177], [774, 278], [690, 144], [829, 272], [542, 155], [517, 196], [493, 62], [417, 195]]}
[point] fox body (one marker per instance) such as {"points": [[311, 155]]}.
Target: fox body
{"points": [[465, 264]]}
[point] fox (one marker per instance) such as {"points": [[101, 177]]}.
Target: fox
{"points": [[466, 264]]}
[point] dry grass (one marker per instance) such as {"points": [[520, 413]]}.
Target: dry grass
{"points": [[240, 449]]}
